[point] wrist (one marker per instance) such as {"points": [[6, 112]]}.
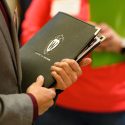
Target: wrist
{"points": [[35, 106]]}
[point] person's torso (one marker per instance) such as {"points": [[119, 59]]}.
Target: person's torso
{"points": [[9, 64], [99, 89]]}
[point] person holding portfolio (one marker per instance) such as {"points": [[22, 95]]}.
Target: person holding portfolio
{"points": [[18, 108], [98, 96]]}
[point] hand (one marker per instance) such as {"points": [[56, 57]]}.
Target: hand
{"points": [[67, 72], [112, 42], [43, 96]]}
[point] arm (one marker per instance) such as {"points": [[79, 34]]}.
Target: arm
{"points": [[16, 109]]}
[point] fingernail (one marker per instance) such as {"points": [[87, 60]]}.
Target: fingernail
{"points": [[52, 67], [56, 63], [40, 77]]}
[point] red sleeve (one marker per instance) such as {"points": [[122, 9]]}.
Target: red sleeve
{"points": [[84, 11], [36, 16]]}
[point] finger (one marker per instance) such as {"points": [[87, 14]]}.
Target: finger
{"points": [[62, 73], [51, 103], [40, 80], [53, 93], [108, 35], [74, 65], [44, 107], [104, 44], [85, 62], [104, 26], [68, 70], [60, 83], [98, 49]]}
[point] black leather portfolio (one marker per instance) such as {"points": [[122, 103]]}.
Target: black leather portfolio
{"points": [[62, 37]]}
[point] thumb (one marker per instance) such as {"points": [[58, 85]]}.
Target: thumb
{"points": [[40, 80], [85, 62], [53, 92]]}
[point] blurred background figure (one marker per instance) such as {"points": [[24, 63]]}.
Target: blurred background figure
{"points": [[24, 4], [98, 97], [112, 13], [41, 11]]}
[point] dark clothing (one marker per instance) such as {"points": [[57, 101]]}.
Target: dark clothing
{"points": [[24, 5], [15, 108], [35, 106], [4, 13], [62, 116]]}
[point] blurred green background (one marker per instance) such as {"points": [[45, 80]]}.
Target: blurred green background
{"points": [[111, 12]]}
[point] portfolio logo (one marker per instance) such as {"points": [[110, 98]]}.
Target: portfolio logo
{"points": [[54, 43]]}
